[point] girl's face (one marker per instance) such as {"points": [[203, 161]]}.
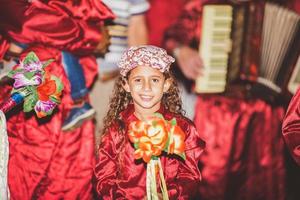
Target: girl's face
{"points": [[146, 86]]}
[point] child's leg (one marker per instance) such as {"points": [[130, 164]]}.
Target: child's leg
{"points": [[75, 75], [81, 110]]}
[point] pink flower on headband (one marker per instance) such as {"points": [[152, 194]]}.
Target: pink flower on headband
{"points": [[145, 55]]}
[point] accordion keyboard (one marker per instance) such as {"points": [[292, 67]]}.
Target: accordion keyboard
{"points": [[214, 48]]}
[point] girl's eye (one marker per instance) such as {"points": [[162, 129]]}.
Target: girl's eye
{"points": [[138, 80], [155, 80]]}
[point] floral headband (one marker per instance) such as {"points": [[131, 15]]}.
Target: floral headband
{"points": [[145, 55]]}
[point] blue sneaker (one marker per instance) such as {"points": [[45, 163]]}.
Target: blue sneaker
{"points": [[77, 116]]}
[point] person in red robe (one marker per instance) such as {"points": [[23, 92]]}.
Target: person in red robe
{"points": [[74, 27], [44, 162], [244, 150], [291, 127], [145, 88]]}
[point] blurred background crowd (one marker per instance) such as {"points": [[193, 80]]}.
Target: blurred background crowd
{"points": [[245, 156]]}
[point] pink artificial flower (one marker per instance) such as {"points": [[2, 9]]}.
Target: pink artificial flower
{"points": [[21, 80], [33, 66], [43, 107]]}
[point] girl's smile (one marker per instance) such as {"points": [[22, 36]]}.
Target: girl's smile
{"points": [[146, 97]]}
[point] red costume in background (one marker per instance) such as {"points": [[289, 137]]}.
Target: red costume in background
{"points": [[291, 127], [244, 155], [73, 26], [120, 176], [44, 162], [168, 13], [244, 158], [66, 25]]}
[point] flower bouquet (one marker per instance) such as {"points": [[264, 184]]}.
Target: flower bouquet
{"points": [[150, 139], [39, 90]]}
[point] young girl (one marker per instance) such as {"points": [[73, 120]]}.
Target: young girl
{"points": [[145, 87]]}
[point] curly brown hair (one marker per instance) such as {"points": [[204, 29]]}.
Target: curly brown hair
{"points": [[121, 99]]}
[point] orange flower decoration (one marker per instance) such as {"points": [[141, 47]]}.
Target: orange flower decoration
{"points": [[176, 144], [47, 89], [152, 137], [137, 129], [48, 93], [145, 149]]}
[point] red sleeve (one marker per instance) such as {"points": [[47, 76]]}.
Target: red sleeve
{"points": [[186, 30], [291, 127], [187, 180], [69, 26], [106, 168]]}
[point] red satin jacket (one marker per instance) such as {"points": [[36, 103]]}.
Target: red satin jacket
{"points": [[120, 176]]}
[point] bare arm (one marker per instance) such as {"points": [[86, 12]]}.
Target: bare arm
{"points": [[137, 30], [189, 61]]}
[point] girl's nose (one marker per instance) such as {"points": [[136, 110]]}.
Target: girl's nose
{"points": [[147, 85]]}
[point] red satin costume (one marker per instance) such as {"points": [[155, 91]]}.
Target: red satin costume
{"points": [[44, 162], [72, 26], [156, 28], [244, 158], [291, 127], [120, 176]]}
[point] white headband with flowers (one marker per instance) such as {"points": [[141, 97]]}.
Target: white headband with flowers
{"points": [[145, 55]]}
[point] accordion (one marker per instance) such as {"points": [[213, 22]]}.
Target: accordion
{"points": [[250, 44]]}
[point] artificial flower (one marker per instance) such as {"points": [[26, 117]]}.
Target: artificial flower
{"points": [[150, 138], [41, 91], [32, 66], [155, 135], [136, 130], [21, 80], [44, 108], [48, 88], [176, 142], [144, 149]]}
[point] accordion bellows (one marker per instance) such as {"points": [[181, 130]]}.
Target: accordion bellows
{"points": [[249, 42]]}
